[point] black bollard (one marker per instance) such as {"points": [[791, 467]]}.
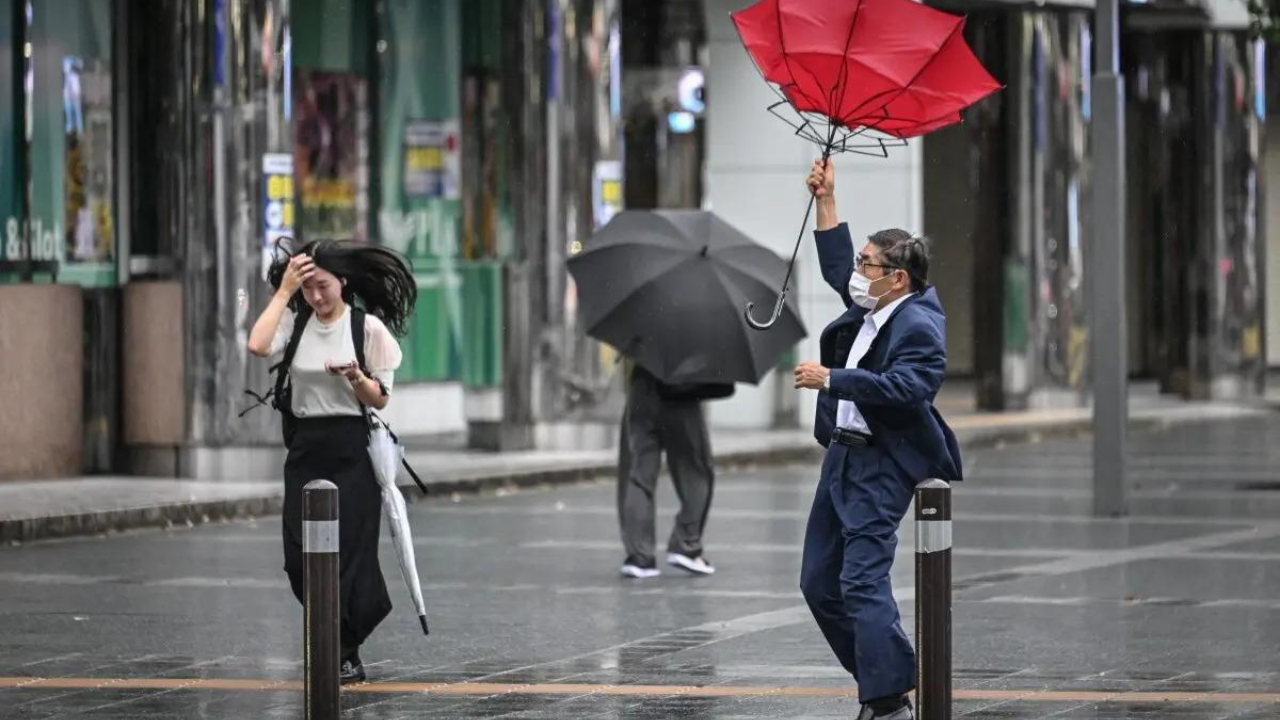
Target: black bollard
{"points": [[933, 600], [320, 575]]}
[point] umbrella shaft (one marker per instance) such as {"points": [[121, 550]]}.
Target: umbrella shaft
{"points": [[813, 198]]}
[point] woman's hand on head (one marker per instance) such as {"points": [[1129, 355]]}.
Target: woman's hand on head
{"points": [[300, 269]]}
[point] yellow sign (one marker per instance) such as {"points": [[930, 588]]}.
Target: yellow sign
{"points": [[611, 192], [425, 159], [277, 173]]}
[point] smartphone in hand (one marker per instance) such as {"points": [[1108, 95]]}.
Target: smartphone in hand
{"points": [[339, 368]]}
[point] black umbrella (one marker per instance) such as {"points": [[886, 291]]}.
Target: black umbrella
{"points": [[666, 288]]}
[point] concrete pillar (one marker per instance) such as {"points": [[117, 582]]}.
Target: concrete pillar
{"points": [[1227, 279], [154, 400], [1272, 234], [42, 343], [224, 106], [1045, 354], [504, 176], [551, 82]]}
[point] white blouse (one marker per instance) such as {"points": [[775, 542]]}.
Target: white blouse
{"points": [[316, 393]]}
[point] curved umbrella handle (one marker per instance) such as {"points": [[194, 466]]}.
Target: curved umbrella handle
{"points": [[786, 282], [777, 313]]}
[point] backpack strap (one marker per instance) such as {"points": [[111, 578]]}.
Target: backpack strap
{"points": [[357, 339], [357, 336], [281, 369]]}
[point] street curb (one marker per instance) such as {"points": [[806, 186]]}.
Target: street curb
{"points": [[13, 532], [119, 520]]}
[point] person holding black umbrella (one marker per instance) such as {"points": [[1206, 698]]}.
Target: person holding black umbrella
{"points": [[882, 362], [667, 287], [659, 417]]}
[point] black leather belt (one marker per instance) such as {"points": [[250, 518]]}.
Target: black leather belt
{"points": [[851, 438]]}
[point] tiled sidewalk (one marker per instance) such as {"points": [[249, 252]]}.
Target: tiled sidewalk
{"points": [[39, 509]]}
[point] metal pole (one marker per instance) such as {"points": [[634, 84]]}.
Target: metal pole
{"points": [[933, 600], [320, 576], [1107, 248]]}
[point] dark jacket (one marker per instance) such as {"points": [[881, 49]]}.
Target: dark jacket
{"points": [[637, 379], [895, 383]]}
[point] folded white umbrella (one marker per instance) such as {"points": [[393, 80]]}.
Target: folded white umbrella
{"points": [[387, 455]]}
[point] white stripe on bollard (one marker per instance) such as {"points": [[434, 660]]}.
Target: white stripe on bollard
{"points": [[933, 536], [320, 536]]}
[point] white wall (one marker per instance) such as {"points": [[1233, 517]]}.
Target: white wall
{"points": [[755, 181]]}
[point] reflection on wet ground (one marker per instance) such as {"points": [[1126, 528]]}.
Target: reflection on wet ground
{"points": [[1172, 613]]}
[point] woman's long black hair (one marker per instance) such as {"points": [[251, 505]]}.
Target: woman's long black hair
{"points": [[379, 277]]}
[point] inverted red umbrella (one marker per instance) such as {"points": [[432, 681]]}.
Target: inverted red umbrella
{"points": [[860, 75]]}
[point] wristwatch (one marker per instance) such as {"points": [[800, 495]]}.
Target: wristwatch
{"points": [[826, 382]]}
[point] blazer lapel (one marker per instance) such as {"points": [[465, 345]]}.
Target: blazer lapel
{"points": [[837, 337], [883, 331]]}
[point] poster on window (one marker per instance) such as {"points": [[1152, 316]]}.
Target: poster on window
{"points": [[606, 190], [331, 156], [87, 132], [277, 207], [431, 162]]}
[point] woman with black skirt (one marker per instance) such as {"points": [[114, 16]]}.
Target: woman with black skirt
{"points": [[311, 333]]}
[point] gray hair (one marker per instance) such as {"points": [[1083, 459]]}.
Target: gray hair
{"points": [[904, 251]]}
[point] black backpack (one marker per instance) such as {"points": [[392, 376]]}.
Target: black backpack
{"points": [[280, 396]]}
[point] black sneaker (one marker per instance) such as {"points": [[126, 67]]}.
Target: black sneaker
{"points": [[351, 671]]}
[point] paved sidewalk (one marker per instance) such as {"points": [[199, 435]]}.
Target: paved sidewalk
{"points": [[42, 509]]}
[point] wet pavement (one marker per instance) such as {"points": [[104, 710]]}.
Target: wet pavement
{"points": [[1171, 613]]}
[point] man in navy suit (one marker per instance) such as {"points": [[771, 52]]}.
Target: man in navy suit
{"points": [[882, 363]]}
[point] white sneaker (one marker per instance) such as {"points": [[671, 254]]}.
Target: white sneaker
{"points": [[639, 573], [697, 566]]}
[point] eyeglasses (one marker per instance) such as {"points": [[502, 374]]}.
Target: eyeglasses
{"points": [[859, 263]]}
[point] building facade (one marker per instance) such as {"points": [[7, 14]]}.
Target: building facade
{"points": [[154, 152]]}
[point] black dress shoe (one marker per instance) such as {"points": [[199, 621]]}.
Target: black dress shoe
{"points": [[351, 671]]}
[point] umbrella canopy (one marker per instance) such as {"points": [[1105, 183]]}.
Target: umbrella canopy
{"points": [[893, 66], [860, 76], [386, 455], [666, 288]]}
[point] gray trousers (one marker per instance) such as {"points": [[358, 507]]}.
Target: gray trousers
{"points": [[651, 425]]}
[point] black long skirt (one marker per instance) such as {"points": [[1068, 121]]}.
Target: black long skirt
{"points": [[337, 449]]}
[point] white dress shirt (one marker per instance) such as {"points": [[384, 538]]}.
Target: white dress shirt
{"points": [[848, 417]]}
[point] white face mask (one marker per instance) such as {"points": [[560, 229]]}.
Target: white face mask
{"points": [[860, 291]]}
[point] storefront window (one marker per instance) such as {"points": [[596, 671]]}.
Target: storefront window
{"points": [[330, 159], [378, 157], [11, 211], [331, 115], [419, 173], [67, 224]]}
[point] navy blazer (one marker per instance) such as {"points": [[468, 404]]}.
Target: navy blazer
{"points": [[896, 381]]}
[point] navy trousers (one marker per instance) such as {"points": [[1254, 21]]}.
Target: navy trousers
{"points": [[848, 552]]}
